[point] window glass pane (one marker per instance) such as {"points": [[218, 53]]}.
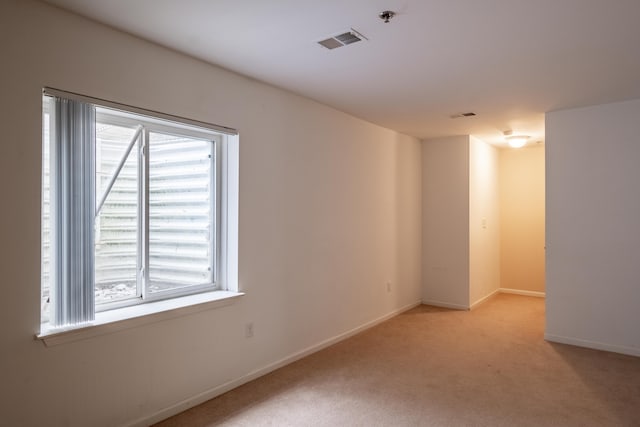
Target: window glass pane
{"points": [[116, 239], [181, 196]]}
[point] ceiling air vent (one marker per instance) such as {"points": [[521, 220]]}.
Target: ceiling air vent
{"points": [[348, 37], [456, 116]]}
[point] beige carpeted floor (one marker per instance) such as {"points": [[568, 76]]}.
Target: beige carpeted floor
{"points": [[439, 367]]}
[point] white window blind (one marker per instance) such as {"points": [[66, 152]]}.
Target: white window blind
{"points": [[72, 211]]}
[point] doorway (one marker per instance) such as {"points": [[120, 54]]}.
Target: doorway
{"points": [[522, 220]]}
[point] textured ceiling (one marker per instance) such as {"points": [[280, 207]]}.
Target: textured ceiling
{"points": [[509, 61]]}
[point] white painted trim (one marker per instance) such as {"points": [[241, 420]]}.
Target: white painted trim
{"points": [[137, 315], [223, 388], [445, 304], [522, 292], [485, 298], [631, 351]]}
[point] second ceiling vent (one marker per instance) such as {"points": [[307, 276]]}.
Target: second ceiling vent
{"points": [[343, 39]]}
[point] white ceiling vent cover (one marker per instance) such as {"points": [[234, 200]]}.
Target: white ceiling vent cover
{"points": [[343, 39]]}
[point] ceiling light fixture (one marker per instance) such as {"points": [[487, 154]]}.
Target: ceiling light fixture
{"points": [[386, 15], [515, 141]]}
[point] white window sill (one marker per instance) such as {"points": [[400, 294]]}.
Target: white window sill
{"points": [[137, 315]]}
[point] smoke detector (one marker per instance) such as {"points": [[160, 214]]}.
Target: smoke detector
{"points": [[342, 39]]}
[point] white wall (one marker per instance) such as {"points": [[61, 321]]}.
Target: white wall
{"points": [[445, 222], [330, 210], [460, 221], [484, 221], [522, 219], [593, 226]]}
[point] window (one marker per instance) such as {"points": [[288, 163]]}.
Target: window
{"points": [[137, 207]]}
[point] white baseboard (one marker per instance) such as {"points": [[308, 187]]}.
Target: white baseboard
{"points": [[631, 351], [483, 299], [445, 304], [522, 292], [223, 388]]}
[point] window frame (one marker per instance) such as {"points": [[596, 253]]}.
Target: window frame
{"points": [[224, 234], [150, 125]]}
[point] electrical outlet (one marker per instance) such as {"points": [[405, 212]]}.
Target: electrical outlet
{"points": [[248, 330], [388, 286]]}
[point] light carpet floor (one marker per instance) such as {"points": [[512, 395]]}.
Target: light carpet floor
{"points": [[438, 367]]}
